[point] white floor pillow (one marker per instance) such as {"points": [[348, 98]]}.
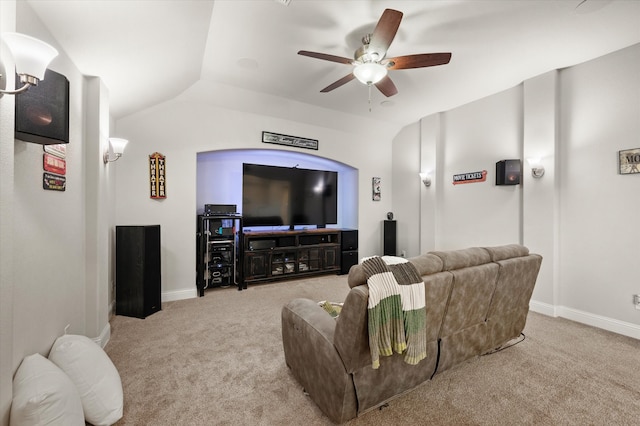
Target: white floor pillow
{"points": [[95, 377], [44, 395]]}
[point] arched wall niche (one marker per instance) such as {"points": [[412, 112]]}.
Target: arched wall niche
{"points": [[219, 178]]}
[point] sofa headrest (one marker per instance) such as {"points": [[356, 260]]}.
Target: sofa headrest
{"points": [[507, 252], [356, 276], [456, 259], [427, 264]]}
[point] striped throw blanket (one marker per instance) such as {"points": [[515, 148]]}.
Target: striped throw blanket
{"points": [[396, 309]]}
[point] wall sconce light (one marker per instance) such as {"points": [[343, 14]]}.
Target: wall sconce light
{"points": [[31, 57], [426, 179], [537, 170], [116, 146]]}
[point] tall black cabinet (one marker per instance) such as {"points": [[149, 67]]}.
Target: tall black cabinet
{"points": [[138, 279]]}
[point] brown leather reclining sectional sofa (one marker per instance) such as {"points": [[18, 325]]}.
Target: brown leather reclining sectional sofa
{"points": [[477, 299]]}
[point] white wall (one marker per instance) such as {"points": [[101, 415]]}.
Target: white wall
{"points": [[540, 209], [580, 216], [407, 187], [52, 243], [473, 138], [49, 250], [7, 283], [182, 128], [599, 251]]}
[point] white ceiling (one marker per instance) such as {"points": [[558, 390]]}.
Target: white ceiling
{"points": [[150, 51]]}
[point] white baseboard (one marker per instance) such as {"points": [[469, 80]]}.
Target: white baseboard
{"points": [[171, 296], [104, 336], [599, 321], [542, 308], [610, 324]]}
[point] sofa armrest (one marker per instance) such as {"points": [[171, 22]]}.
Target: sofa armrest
{"points": [[307, 337]]}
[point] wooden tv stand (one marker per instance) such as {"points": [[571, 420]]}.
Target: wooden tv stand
{"points": [[277, 255]]}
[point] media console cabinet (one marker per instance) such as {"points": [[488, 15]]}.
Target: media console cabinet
{"points": [[276, 255]]}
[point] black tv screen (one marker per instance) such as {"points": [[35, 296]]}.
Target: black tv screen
{"points": [[288, 196]]}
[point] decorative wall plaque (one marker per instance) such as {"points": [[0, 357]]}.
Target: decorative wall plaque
{"points": [[376, 184], [471, 177], [298, 142], [54, 182], [629, 161], [157, 176]]}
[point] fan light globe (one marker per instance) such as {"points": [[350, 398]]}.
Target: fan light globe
{"points": [[370, 72], [31, 56]]}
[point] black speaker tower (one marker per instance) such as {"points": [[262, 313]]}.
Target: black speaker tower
{"points": [[389, 238], [138, 270]]}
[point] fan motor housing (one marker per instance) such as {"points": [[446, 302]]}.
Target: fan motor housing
{"points": [[365, 54]]}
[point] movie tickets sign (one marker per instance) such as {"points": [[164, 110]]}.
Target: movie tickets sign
{"points": [[472, 177], [157, 178]]}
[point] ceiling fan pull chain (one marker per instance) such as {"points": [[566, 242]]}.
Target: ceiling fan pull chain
{"points": [[369, 96]]}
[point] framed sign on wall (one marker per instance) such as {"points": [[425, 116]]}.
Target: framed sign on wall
{"points": [[376, 190], [157, 176], [629, 161]]}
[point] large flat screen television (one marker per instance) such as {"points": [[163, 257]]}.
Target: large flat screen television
{"points": [[288, 196]]}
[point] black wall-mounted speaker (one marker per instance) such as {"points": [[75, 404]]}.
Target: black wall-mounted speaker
{"points": [[42, 112], [508, 172]]}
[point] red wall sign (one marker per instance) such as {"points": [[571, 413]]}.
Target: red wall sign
{"points": [[54, 164]]}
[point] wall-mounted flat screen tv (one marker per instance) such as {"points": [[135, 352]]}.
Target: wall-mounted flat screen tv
{"points": [[281, 196]]}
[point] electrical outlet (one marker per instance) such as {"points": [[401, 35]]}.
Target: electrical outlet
{"points": [[404, 253], [636, 301]]}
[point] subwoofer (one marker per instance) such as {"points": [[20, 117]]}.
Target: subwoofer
{"points": [[348, 249], [42, 112]]}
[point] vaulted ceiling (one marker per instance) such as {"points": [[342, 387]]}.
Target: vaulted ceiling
{"points": [[150, 51]]}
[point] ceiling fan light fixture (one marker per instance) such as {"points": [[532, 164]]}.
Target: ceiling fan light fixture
{"points": [[370, 72]]}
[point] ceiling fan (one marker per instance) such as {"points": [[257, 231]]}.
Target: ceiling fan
{"points": [[370, 64]]}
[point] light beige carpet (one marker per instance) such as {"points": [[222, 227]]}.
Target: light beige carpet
{"points": [[218, 360]]}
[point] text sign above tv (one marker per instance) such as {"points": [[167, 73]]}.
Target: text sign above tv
{"points": [[288, 196], [278, 139]]}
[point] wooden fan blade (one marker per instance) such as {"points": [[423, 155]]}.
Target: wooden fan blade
{"points": [[347, 78], [419, 61], [386, 87], [385, 31], [326, 57]]}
